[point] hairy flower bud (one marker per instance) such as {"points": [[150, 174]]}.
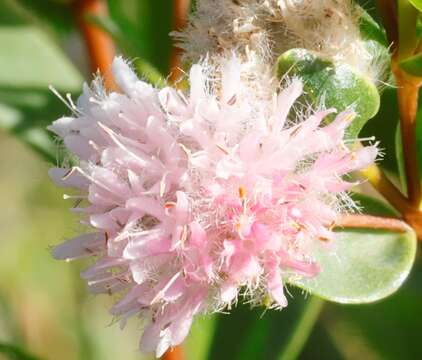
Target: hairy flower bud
{"points": [[258, 31]]}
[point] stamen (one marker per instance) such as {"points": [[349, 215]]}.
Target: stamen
{"points": [[67, 197], [72, 104], [242, 193], [225, 151], [113, 137], [69, 104]]}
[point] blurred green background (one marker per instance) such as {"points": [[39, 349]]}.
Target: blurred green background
{"points": [[45, 310]]}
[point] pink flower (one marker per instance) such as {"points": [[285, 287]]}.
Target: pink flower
{"points": [[196, 197]]}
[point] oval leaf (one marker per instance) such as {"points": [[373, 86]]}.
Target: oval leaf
{"points": [[337, 85], [365, 266]]}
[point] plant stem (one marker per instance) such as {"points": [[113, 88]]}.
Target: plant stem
{"points": [[407, 94], [401, 31], [386, 188], [99, 44], [303, 329], [176, 353], [371, 222], [180, 16], [388, 12]]}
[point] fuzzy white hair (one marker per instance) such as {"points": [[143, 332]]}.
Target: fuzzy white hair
{"points": [[258, 31]]}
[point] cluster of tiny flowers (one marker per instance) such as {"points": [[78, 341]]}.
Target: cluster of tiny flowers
{"points": [[197, 198], [260, 30]]}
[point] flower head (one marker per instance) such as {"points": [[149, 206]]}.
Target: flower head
{"points": [[259, 31], [196, 198]]}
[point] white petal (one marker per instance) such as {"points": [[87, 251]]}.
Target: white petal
{"points": [[125, 77]]}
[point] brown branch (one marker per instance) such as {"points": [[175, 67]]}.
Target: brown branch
{"points": [[386, 188], [176, 353], [414, 219], [371, 222], [388, 11], [407, 95], [403, 41], [100, 46], [180, 17]]}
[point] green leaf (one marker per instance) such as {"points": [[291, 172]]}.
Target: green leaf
{"points": [[145, 25], [29, 63], [29, 58], [399, 146], [48, 14], [303, 329], [417, 4], [365, 326], [400, 160], [413, 65], [198, 342], [256, 333], [15, 353], [370, 29], [365, 265], [419, 27], [373, 206], [337, 85]]}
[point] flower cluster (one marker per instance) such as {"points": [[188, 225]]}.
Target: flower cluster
{"points": [[196, 198], [261, 30]]}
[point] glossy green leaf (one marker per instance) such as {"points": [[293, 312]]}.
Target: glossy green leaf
{"points": [[417, 4], [376, 43], [336, 86], [365, 266], [413, 65], [370, 29], [385, 330]]}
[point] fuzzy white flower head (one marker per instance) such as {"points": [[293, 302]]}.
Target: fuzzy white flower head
{"points": [[258, 31]]}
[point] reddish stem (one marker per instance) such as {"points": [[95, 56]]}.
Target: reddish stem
{"points": [[388, 12], [99, 44], [407, 94], [175, 353], [180, 17], [371, 222]]}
